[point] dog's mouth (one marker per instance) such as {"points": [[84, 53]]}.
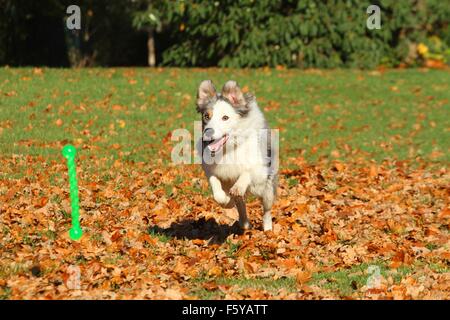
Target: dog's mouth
{"points": [[216, 145]]}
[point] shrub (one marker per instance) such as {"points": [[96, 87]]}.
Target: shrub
{"points": [[308, 33]]}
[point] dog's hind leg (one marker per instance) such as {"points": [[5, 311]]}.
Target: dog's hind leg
{"points": [[242, 210], [268, 198]]}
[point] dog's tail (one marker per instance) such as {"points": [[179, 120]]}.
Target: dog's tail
{"points": [[273, 148]]}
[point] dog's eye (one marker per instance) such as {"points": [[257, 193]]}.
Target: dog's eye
{"points": [[225, 118], [206, 117]]}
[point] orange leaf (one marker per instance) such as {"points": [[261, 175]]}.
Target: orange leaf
{"points": [[215, 271], [210, 286], [373, 172], [445, 213], [303, 277], [116, 235], [339, 166], [445, 256], [249, 267], [198, 242], [42, 202]]}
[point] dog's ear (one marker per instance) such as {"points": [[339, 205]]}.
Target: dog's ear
{"points": [[233, 93], [206, 92]]}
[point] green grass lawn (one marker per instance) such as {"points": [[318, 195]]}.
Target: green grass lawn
{"points": [[126, 113], [344, 281]]}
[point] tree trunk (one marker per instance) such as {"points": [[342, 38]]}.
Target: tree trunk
{"points": [[151, 49]]}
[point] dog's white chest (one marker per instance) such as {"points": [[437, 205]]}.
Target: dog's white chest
{"points": [[228, 172], [246, 157]]}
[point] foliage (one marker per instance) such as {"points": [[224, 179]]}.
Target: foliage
{"points": [[151, 14], [320, 34], [22, 26], [434, 48], [34, 33], [242, 33]]}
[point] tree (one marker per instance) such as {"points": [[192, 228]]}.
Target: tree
{"points": [[32, 33], [152, 17], [305, 34]]}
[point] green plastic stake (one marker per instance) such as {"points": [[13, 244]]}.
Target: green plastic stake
{"points": [[69, 153]]}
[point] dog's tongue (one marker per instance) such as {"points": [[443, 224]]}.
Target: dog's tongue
{"points": [[216, 145]]}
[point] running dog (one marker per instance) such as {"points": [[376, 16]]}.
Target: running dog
{"points": [[237, 148]]}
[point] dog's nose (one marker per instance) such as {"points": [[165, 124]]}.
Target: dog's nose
{"points": [[208, 133]]}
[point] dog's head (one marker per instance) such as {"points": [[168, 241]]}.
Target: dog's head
{"points": [[221, 112]]}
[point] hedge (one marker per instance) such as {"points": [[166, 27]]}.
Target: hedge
{"points": [[308, 33]]}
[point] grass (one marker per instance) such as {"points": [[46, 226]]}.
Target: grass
{"points": [[439, 268], [344, 281], [125, 113], [347, 281], [267, 284], [233, 248], [164, 238], [5, 293]]}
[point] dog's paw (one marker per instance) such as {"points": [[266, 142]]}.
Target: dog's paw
{"points": [[245, 225], [222, 198], [237, 190], [267, 222]]}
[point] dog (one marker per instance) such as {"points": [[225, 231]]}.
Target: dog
{"points": [[238, 156]]}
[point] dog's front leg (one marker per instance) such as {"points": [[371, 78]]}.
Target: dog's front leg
{"points": [[219, 195], [240, 186]]}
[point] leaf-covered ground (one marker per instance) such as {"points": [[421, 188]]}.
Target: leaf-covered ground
{"points": [[364, 188]]}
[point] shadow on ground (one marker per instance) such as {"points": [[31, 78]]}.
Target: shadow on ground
{"points": [[199, 229]]}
